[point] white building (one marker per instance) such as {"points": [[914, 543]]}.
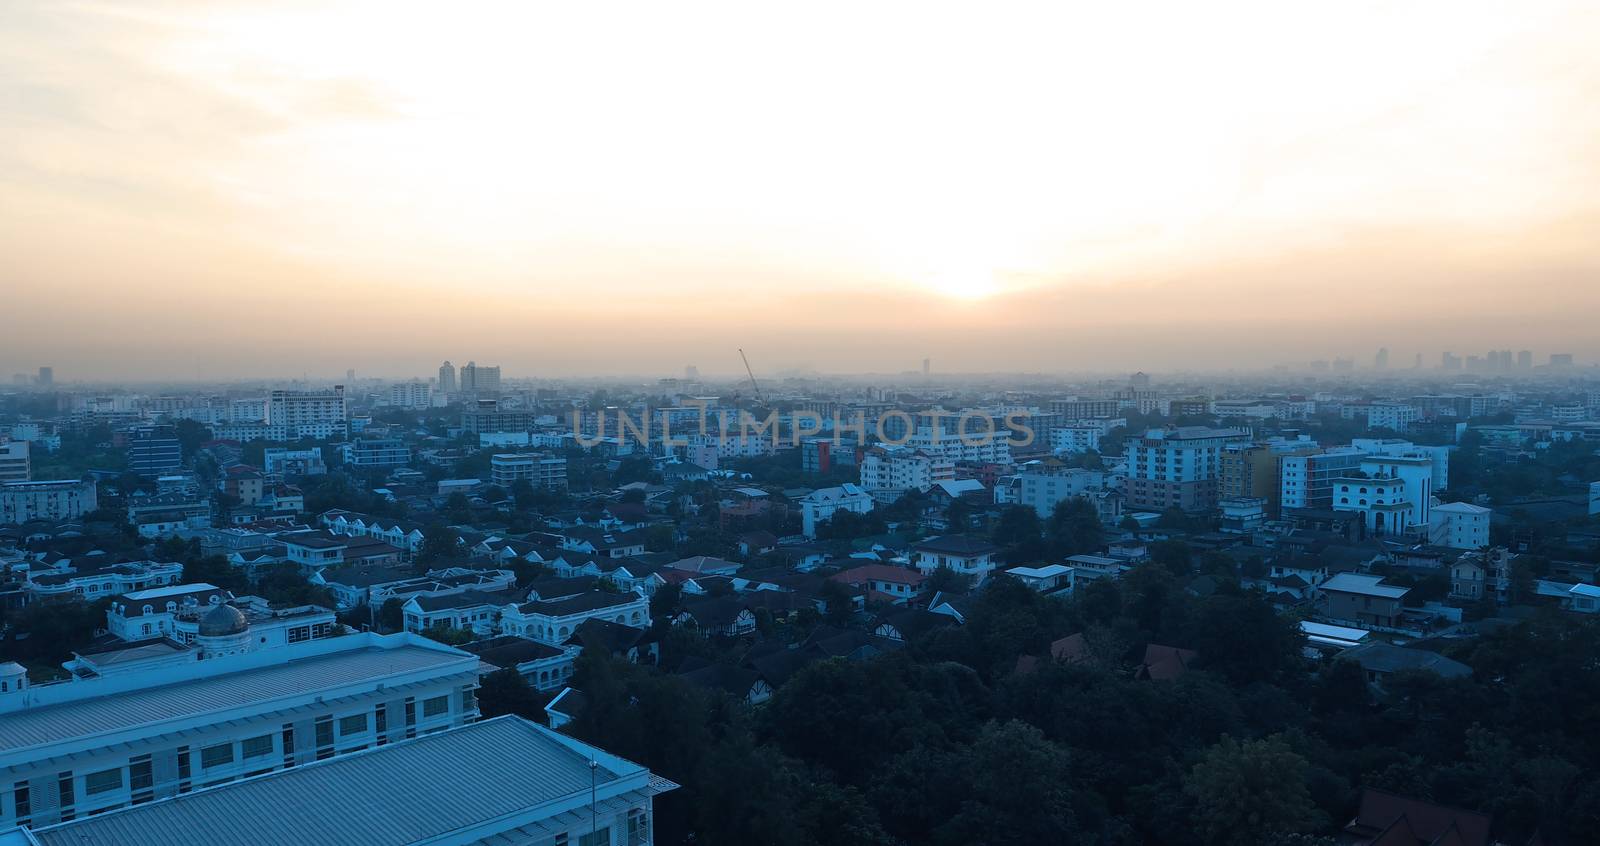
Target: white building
{"points": [[1081, 435], [980, 445], [964, 555], [15, 464], [1393, 493], [310, 414], [144, 614], [417, 394], [282, 463], [470, 785], [80, 748], [537, 469], [57, 500], [821, 504], [553, 621], [93, 577], [1177, 468], [1041, 485], [1459, 525], [889, 473]]}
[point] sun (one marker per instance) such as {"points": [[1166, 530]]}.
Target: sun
{"points": [[961, 282]]}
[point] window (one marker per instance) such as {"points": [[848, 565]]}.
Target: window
{"points": [[255, 747], [22, 798], [216, 756], [353, 724], [140, 779], [104, 781], [185, 769], [596, 838], [288, 744], [299, 633], [68, 793], [435, 706]]}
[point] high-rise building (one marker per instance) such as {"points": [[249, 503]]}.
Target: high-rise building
{"points": [[47, 377], [482, 381], [1525, 360], [691, 373], [309, 414], [1561, 359], [1177, 468], [415, 394], [154, 451], [1381, 360], [1449, 361], [447, 378]]}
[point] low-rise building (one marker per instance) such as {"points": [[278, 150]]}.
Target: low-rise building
{"points": [[77, 749], [965, 555], [820, 505], [57, 500]]}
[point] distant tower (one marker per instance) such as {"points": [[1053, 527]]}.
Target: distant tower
{"points": [[925, 366], [349, 375], [1525, 360], [1140, 380], [1381, 361], [447, 378], [691, 373], [1417, 365], [47, 377]]}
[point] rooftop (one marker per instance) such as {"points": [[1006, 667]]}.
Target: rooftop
{"points": [[78, 710], [497, 773]]}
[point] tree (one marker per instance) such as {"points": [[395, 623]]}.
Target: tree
{"points": [[1073, 528], [440, 545], [840, 604], [1000, 807], [391, 614], [215, 570], [448, 635], [1250, 793], [1021, 533], [505, 691]]}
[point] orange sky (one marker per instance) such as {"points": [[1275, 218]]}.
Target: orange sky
{"points": [[258, 189]]}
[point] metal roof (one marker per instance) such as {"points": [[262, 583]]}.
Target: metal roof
{"points": [[405, 792], [58, 722]]}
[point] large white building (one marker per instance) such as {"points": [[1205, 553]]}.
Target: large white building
{"points": [[537, 469], [66, 499], [310, 414], [1306, 480], [15, 463], [416, 394], [822, 504], [1177, 468], [888, 473], [1393, 493], [1040, 485], [77, 749], [501, 781], [1082, 435], [1459, 525], [979, 445]]}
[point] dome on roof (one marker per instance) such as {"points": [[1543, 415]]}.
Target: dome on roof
{"points": [[222, 621]]}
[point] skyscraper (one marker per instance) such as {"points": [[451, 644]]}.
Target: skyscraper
{"points": [[1381, 360], [1525, 360], [447, 378], [47, 377], [483, 381]]}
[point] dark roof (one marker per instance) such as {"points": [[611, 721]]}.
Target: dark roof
{"points": [[592, 601], [465, 599], [1389, 819], [1379, 657], [508, 651], [729, 679], [605, 635], [714, 611], [956, 545]]}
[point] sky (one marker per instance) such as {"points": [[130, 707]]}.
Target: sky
{"points": [[262, 189]]}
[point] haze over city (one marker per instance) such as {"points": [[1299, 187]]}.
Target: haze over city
{"points": [[253, 189]]}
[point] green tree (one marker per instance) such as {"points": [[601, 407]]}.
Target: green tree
{"points": [[1248, 793], [505, 691]]}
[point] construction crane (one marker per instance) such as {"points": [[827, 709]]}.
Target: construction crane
{"points": [[753, 384]]}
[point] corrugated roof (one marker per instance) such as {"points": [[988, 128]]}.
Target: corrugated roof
{"points": [[62, 721], [401, 793]]}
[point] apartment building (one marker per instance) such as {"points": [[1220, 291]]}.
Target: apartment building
{"points": [[55, 500], [310, 414], [888, 473], [540, 470], [1177, 468], [15, 463]]}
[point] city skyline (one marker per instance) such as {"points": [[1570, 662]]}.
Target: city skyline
{"points": [[572, 209]]}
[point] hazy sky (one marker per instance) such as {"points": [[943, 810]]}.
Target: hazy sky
{"points": [[269, 188]]}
